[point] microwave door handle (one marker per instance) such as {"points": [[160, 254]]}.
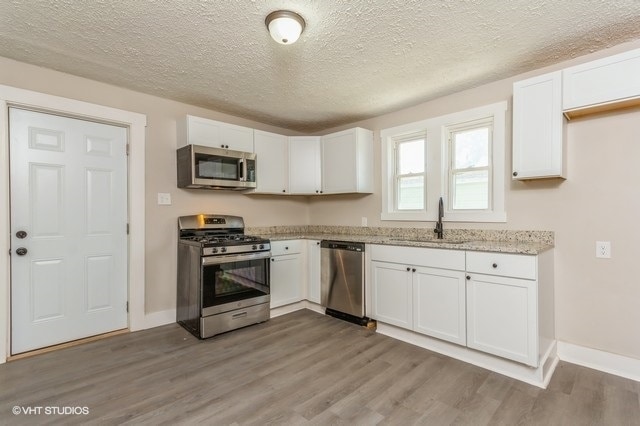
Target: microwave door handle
{"points": [[243, 170]]}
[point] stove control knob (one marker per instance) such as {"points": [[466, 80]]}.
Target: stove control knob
{"points": [[261, 246], [214, 250], [254, 247], [223, 249]]}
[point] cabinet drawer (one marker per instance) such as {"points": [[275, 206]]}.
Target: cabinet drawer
{"points": [[418, 256], [279, 248], [507, 265]]}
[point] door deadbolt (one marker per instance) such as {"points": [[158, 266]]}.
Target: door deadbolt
{"points": [[21, 251], [21, 234]]}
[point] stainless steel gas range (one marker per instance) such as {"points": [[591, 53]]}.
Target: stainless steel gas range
{"points": [[223, 275]]}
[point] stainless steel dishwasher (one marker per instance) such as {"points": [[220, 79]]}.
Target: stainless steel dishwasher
{"points": [[342, 280]]}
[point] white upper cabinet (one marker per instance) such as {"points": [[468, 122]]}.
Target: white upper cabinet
{"points": [[538, 128], [305, 174], [602, 85], [205, 132], [347, 161], [272, 173]]}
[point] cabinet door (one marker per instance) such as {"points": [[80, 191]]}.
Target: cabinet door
{"points": [[216, 134], [286, 280], [502, 317], [347, 161], [612, 80], [304, 165], [439, 304], [391, 294], [272, 175], [313, 278], [538, 128]]}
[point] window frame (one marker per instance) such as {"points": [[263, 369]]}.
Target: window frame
{"points": [[451, 161], [437, 166], [397, 141]]}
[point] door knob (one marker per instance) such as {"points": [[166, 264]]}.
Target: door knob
{"points": [[21, 234], [21, 251]]}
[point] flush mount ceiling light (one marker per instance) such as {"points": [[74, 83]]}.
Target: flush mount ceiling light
{"points": [[284, 26]]}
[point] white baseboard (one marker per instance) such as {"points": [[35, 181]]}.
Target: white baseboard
{"points": [[283, 310], [304, 304], [619, 365], [156, 319]]}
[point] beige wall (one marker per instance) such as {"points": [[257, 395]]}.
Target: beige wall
{"points": [[597, 301], [161, 135]]}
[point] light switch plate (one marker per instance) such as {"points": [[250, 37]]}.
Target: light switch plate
{"points": [[164, 199]]}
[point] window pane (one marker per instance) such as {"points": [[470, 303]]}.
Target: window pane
{"points": [[411, 193], [471, 190], [411, 157], [471, 148]]}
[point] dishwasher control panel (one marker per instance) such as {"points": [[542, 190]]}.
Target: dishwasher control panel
{"points": [[342, 245]]}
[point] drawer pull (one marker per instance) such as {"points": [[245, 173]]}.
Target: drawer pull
{"points": [[468, 277], [413, 270], [495, 265], [239, 315]]}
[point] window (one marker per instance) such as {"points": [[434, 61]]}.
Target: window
{"points": [[459, 157], [410, 173], [470, 166]]}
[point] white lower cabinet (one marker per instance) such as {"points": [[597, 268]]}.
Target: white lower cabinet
{"points": [[502, 317], [510, 305], [391, 294], [497, 303], [313, 271], [287, 278], [417, 296], [439, 304]]}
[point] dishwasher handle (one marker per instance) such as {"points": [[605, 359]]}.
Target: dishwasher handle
{"points": [[342, 245]]}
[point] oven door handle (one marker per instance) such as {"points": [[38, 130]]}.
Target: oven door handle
{"points": [[217, 260]]}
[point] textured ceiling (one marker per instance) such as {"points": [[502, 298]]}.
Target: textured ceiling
{"points": [[355, 59]]}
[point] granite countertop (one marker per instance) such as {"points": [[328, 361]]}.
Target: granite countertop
{"points": [[510, 246]]}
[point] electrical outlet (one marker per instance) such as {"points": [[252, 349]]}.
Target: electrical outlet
{"points": [[364, 221], [164, 199], [603, 249]]}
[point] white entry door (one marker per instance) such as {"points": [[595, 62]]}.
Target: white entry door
{"points": [[68, 229]]}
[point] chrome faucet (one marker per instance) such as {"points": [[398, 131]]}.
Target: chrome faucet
{"points": [[439, 231]]}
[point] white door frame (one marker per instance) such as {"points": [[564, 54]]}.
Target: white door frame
{"points": [[136, 123]]}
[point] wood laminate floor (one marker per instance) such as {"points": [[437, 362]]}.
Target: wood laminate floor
{"points": [[302, 369]]}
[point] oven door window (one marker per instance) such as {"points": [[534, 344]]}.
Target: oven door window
{"points": [[234, 281], [217, 167]]}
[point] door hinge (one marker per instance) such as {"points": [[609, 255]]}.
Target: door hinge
{"points": [[127, 149], [127, 306], [127, 229]]}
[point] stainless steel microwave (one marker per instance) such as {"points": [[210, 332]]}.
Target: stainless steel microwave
{"points": [[215, 168]]}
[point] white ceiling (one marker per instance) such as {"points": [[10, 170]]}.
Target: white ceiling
{"points": [[355, 59]]}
